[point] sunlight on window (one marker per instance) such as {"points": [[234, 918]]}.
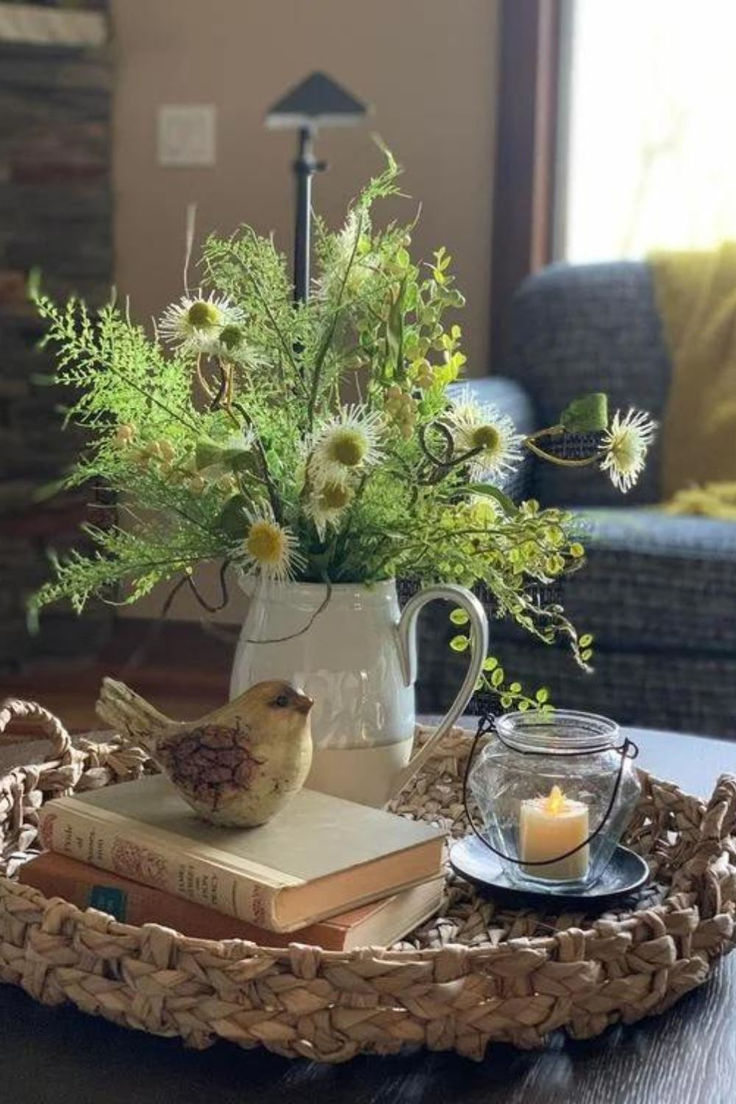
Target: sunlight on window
{"points": [[652, 156]]}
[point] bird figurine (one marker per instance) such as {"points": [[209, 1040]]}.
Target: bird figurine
{"points": [[237, 766]]}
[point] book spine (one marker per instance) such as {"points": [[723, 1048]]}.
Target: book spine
{"points": [[109, 846]]}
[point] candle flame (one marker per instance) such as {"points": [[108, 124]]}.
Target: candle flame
{"points": [[555, 802]]}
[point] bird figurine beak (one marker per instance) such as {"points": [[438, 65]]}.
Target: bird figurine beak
{"points": [[303, 704]]}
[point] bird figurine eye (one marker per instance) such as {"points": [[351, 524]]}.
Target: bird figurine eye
{"points": [[281, 701]]}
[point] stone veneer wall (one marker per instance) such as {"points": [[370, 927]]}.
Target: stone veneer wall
{"points": [[55, 216]]}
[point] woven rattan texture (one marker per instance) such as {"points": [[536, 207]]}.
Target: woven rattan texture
{"points": [[473, 975]]}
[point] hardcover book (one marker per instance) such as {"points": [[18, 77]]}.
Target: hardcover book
{"points": [[319, 856], [378, 924]]}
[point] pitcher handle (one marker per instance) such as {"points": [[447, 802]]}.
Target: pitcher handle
{"points": [[407, 640]]}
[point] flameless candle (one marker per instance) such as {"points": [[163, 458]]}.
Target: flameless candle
{"points": [[551, 826]]}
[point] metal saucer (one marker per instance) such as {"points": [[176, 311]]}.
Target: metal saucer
{"points": [[626, 873]]}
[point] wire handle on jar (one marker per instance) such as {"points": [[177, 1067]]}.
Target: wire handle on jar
{"points": [[486, 725]]}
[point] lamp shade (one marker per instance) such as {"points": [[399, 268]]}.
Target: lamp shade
{"points": [[317, 101]]}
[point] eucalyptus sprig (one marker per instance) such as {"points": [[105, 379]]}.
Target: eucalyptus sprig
{"points": [[494, 681]]}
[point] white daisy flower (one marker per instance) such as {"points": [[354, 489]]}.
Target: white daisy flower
{"points": [[350, 243], [476, 425], [347, 443], [215, 458], [625, 444], [231, 345], [270, 549], [484, 510], [327, 504], [195, 324]]}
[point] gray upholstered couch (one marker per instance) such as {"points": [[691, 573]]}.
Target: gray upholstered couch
{"points": [[658, 592]]}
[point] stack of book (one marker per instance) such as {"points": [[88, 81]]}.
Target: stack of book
{"points": [[324, 871]]}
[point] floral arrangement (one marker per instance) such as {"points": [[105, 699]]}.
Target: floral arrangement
{"points": [[229, 437]]}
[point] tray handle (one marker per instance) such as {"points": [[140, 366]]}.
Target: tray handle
{"points": [[15, 709], [720, 814]]}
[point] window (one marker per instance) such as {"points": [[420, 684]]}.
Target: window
{"points": [[650, 158]]}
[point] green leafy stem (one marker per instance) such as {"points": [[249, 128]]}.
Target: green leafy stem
{"points": [[493, 680]]}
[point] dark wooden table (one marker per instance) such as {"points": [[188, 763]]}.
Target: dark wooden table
{"points": [[688, 1056]]}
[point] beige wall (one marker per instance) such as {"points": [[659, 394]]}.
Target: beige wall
{"points": [[427, 66]]}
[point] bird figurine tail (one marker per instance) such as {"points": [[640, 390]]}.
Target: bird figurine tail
{"points": [[130, 714]]}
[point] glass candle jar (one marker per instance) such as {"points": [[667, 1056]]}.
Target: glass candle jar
{"points": [[555, 792]]}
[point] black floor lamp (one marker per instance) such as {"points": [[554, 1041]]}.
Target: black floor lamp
{"points": [[316, 102]]}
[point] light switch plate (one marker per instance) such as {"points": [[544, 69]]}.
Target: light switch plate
{"points": [[186, 135]]}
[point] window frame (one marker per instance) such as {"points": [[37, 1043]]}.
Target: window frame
{"points": [[530, 152]]}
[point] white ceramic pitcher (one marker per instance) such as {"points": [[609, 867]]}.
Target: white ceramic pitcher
{"points": [[355, 654]]}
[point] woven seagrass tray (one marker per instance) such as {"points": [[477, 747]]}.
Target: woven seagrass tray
{"points": [[475, 974]]}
